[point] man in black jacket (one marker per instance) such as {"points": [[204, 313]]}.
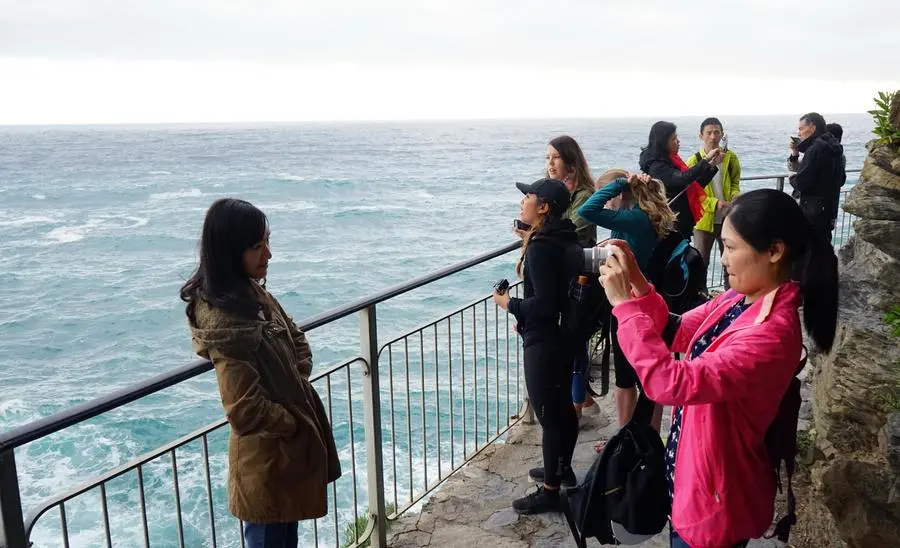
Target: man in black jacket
{"points": [[819, 173]]}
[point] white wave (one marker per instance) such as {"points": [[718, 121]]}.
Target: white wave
{"points": [[163, 196], [290, 177], [28, 220], [422, 194], [160, 172], [12, 407], [298, 205], [67, 234], [107, 223], [40, 196]]}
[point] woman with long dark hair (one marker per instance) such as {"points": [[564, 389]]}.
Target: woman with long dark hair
{"points": [[742, 350], [281, 453], [548, 353], [661, 161]]}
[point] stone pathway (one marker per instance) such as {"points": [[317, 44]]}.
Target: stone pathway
{"points": [[473, 507]]}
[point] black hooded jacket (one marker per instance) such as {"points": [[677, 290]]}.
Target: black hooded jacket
{"points": [[550, 265], [817, 183], [675, 181]]}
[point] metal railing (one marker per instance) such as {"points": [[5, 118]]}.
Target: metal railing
{"points": [[451, 388], [141, 484]]}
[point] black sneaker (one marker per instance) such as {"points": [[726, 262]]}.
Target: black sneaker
{"points": [[541, 501], [568, 478]]}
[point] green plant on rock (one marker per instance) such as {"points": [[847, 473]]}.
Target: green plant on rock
{"points": [[804, 442], [355, 529], [892, 319], [887, 133]]}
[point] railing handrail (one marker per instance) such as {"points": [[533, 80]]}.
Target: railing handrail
{"points": [[780, 176], [60, 420], [71, 416]]}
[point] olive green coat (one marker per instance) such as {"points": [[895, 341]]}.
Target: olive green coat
{"points": [[281, 454]]}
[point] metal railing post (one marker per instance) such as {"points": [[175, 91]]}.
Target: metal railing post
{"points": [[779, 184], [12, 524], [368, 331]]}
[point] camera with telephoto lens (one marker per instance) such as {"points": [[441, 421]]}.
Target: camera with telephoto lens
{"points": [[594, 257]]}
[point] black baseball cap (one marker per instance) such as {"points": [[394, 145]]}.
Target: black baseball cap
{"points": [[554, 192]]}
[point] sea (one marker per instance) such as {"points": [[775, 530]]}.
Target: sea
{"points": [[99, 227]]}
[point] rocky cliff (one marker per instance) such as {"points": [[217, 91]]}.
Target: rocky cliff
{"points": [[856, 387]]}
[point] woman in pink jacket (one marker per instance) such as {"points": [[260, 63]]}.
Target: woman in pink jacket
{"points": [[741, 351]]}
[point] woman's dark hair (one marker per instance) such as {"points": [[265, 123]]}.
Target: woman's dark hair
{"points": [[231, 227], [658, 141], [764, 217]]}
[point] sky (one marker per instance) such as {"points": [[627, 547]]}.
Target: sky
{"points": [[165, 61]]}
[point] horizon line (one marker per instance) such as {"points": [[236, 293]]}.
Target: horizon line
{"points": [[401, 120]]}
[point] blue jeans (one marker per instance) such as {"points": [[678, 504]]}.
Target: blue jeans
{"points": [[676, 542], [579, 374], [270, 535]]}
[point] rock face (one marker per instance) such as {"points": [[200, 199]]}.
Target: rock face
{"points": [[856, 387]]}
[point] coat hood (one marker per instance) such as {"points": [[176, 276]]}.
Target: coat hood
{"points": [[825, 141], [215, 328], [647, 158], [561, 229]]}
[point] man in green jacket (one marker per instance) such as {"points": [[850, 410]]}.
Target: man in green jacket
{"points": [[720, 192]]}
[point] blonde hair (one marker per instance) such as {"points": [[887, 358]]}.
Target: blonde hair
{"points": [[650, 198], [609, 176]]}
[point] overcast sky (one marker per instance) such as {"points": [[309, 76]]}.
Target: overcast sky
{"points": [[93, 61]]}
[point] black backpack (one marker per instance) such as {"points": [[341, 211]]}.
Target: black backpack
{"points": [[626, 485], [678, 273], [586, 309]]}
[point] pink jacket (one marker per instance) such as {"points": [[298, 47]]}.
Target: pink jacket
{"points": [[724, 487]]}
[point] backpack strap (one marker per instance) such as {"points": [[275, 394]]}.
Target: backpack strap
{"points": [[580, 539], [643, 410], [697, 157], [783, 527], [604, 363]]}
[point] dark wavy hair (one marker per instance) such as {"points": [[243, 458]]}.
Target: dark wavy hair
{"points": [[764, 217], [230, 228], [658, 140]]}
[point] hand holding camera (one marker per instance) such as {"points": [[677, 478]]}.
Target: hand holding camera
{"points": [[794, 143], [620, 275], [501, 294]]}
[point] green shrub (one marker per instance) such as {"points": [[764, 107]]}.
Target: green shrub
{"points": [[887, 134], [354, 530]]}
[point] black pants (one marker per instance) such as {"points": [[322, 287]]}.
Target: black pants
{"points": [[548, 376], [626, 377]]}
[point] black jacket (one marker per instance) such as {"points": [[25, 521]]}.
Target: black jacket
{"points": [[820, 175], [676, 181], [550, 265]]}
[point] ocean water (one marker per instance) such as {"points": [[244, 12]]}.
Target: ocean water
{"points": [[99, 228]]}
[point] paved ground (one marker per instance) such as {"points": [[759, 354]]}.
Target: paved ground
{"points": [[473, 507]]}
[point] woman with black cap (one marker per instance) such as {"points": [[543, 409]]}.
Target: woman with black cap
{"points": [[547, 265]]}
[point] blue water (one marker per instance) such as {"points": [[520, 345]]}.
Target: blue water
{"points": [[99, 228]]}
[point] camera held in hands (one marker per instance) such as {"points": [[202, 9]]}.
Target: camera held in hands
{"points": [[501, 287], [594, 257]]}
